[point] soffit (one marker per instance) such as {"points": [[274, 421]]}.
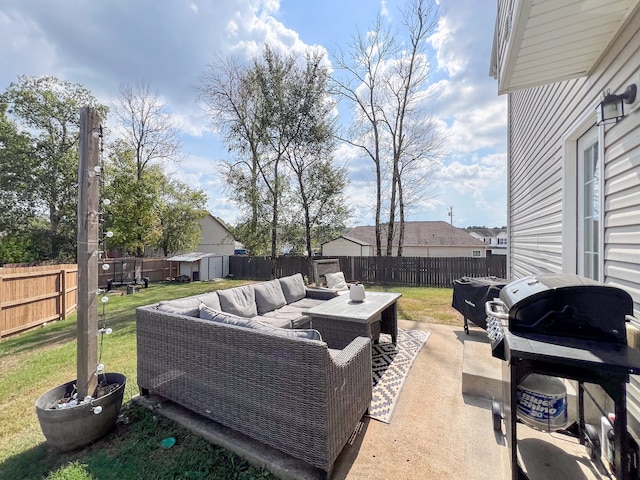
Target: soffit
{"points": [[546, 41]]}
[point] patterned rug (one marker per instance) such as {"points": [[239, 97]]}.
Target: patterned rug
{"points": [[391, 365]]}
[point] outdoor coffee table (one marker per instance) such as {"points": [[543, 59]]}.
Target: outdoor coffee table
{"points": [[340, 320]]}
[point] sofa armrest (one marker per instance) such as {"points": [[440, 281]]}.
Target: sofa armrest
{"points": [[319, 293], [349, 392], [356, 348]]}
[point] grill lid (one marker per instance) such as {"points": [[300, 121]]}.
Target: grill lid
{"points": [[567, 306]]}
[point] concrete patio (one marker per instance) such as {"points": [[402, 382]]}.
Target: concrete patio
{"points": [[437, 432]]}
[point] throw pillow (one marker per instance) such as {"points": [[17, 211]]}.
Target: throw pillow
{"points": [[269, 296], [293, 288], [239, 301], [207, 313], [336, 281]]}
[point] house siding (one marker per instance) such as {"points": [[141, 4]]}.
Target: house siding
{"points": [[341, 247], [215, 238], [540, 120]]}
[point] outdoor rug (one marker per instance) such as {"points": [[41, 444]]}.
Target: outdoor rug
{"points": [[391, 365]]}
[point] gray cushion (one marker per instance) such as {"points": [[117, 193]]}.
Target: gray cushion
{"points": [[189, 306], [239, 301], [279, 322], [211, 299], [306, 303], [269, 296], [287, 332], [222, 317], [207, 313], [293, 287]]}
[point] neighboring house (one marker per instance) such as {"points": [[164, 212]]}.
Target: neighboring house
{"points": [[216, 237], [494, 238], [573, 185], [421, 239]]}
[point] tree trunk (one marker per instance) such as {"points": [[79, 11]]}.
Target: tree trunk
{"points": [[401, 208]]}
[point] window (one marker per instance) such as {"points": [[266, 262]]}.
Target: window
{"points": [[502, 241], [589, 202], [477, 253]]}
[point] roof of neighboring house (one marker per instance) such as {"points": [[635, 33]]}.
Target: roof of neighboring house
{"points": [[417, 234], [355, 240], [486, 232]]}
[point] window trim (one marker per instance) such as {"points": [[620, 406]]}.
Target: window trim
{"points": [[590, 137], [570, 191]]}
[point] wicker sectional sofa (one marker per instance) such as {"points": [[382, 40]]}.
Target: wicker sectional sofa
{"points": [[266, 376]]}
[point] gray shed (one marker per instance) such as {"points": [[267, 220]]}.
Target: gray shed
{"points": [[202, 266]]}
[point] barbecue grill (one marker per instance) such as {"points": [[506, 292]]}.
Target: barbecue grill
{"points": [[470, 296], [570, 327]]}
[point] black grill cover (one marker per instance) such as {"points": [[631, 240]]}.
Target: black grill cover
{"points": [[471, 294]]}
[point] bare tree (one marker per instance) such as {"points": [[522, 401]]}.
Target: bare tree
{"points": [[421, 158], [403, 87], [362, 68], [148, 130], [386, 83]]}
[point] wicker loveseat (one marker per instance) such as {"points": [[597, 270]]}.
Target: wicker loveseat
{"points": [[281, 386]]}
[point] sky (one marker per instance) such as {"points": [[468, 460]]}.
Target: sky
{"points": [[168, 45]]}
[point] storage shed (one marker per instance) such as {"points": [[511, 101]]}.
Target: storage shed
{"points": [[202, 266]]}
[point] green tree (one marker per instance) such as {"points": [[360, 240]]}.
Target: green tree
{"points": [[180, 210], [17, 181], [131, 215], [275, 115], [317, 184], [150, 134], [50, 109], [150, 212]]}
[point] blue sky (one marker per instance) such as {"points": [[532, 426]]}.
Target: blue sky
{"points": [[168, 45]]}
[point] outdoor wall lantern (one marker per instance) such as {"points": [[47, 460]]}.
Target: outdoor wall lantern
{"points": [[611, 109]]}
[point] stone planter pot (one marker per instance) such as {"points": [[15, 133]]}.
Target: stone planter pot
{"points": [[70, 428]]}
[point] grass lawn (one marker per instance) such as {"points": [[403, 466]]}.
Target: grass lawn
{"points": [[33, 362]]}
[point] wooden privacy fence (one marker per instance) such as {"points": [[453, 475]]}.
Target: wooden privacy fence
{"points": [[31, 296], [404, 271]]}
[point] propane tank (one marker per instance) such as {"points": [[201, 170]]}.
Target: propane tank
{"points": [[542, 402]]}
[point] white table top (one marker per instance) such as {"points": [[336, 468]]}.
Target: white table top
{"points": [[342, 307]]}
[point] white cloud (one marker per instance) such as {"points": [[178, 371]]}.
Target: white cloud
{"points": [[168, 45], [449, 59]]}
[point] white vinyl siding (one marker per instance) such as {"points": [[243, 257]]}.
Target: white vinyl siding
{"points": [[542, 202]]}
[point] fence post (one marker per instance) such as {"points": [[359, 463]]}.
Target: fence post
{"points": [[63, 288], [1, 313]]}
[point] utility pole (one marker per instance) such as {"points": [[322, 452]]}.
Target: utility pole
{"points": [[450, 213]]}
